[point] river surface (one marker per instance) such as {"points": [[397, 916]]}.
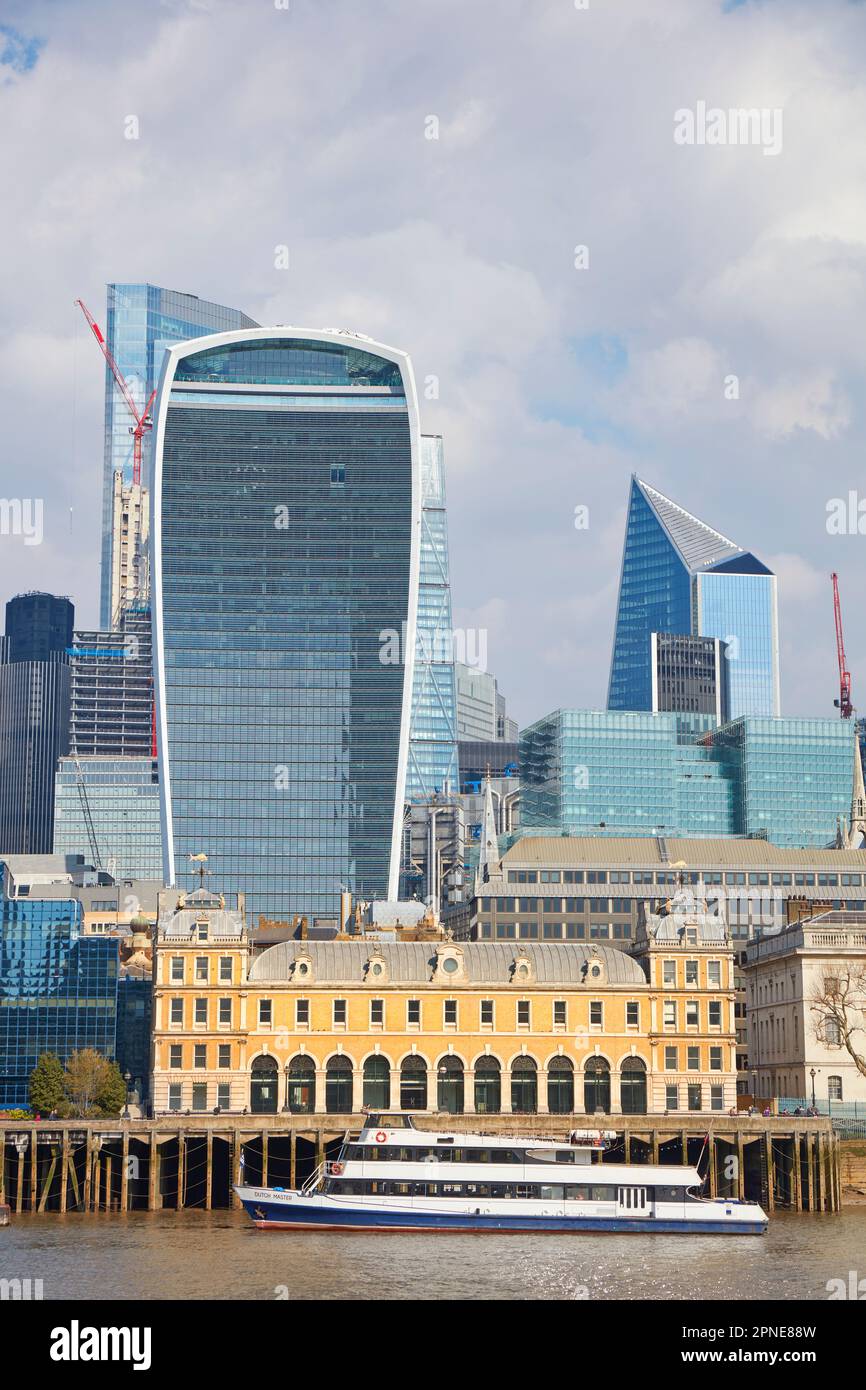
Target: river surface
{"points": [[219, 1255]]}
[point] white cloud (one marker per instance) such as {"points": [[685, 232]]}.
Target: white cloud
{"points": [[305, 127]]}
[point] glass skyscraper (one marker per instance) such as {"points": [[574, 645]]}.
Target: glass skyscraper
{"points": [[141, 321], [58, 989], [679, 576], [433, 737], [591, 772], [286, 557]]}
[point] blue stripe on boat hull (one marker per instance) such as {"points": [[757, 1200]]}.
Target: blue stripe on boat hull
{"points": [[274, 1217]]}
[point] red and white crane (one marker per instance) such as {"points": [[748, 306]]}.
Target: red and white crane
{"points": [[843, 704], [143, 422]]}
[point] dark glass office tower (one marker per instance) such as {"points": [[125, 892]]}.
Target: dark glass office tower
{"points": [[38, 625], [34, 718], [286, 539], [681, 577]]}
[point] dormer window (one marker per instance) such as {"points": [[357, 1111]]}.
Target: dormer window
{"points": [[449, 964]]}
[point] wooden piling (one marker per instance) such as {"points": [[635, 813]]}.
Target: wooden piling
{"points": [[181, 1166], [19, 1190], [770, 1163], [796, 1173], [124, 1172], [64, 1169], [208, 1172], [34, 1169], [153, 1196], [264, 1158], [237, 1149], [741, 1167]]}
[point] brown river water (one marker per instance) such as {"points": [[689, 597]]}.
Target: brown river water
{"points": [[219, 1255]]}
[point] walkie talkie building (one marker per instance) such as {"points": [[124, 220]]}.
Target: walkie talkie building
{"points": [[285, 561]]}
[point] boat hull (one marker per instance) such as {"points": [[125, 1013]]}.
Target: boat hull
{"points": [[298, 1214]]}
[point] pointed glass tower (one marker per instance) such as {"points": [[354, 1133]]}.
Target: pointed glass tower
{"points": [[681, 576], [432, 765]]}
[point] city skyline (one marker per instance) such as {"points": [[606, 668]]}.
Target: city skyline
{"points": [[562, 381]]}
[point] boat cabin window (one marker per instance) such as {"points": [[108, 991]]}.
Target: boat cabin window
{"points": [[388, 1122]]}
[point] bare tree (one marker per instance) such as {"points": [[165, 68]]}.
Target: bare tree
{"points": [[838, 1004]]}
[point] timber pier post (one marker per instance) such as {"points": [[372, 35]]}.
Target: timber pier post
{"points": [[180, 1162]]}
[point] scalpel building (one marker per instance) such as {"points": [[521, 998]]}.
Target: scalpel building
{"points": [[285, 559], [682, 578]]}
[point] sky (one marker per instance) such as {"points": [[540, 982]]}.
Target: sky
{"points": [[434, 169]]}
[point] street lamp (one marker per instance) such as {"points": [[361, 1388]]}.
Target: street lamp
{"points": [[812, 1074], [127, 1077]]}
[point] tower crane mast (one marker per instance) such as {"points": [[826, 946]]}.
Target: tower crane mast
{"points": [[843, 704]]}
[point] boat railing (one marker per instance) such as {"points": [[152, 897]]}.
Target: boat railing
{"points": [[315, 1178]]}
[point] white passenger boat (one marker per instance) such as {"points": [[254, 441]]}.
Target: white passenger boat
{"points": [[396, 1177]]}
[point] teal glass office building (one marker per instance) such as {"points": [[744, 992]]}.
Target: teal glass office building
{"points": [[681, 576], [141, 322], [433, 734], [58, 989], [588, 772], [285, 559]]}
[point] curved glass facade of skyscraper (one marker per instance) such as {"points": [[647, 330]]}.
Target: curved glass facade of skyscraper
{"points": [[285, 566]]}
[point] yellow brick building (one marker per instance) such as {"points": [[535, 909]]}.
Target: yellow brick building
{"points": [[459, 1027]]}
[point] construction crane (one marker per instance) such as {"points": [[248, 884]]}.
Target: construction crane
{"points": [[143, 421], [843, 704]]}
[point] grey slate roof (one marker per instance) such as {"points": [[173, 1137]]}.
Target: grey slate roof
{"points": [[672, 928], [699, 545], [411, 962], [219, 923]]}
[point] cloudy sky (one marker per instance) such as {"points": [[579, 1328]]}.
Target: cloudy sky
{"points": [[306, 123]]}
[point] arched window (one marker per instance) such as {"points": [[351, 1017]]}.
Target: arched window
{"points": [[560, 1086], [264, 1085], [596, 1086], [524, 1086], [413, 1084], [632, 1086], [302, 1086], [338, 1086], [449, 1089], [488, 1086], [377, 1083]]}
